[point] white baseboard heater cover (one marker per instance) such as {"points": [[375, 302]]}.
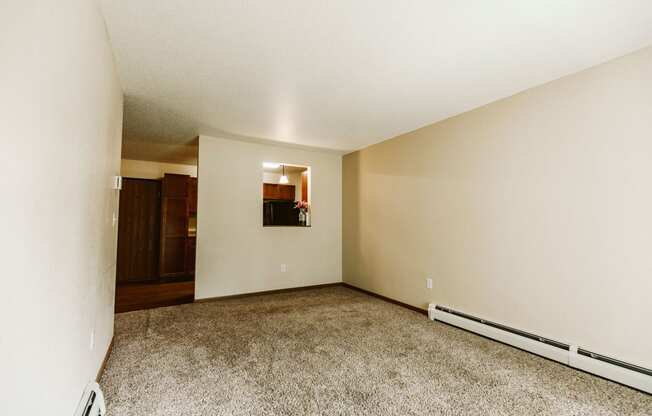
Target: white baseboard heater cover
{"points": [[571, 355], [92, 401]]}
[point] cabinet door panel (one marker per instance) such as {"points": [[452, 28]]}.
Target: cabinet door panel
{"points": [[191, 249], [270, 191], [175, 217], [174, 225], [286, 192], [173, 257], [192, 195], [175, 185], [138, 231]]}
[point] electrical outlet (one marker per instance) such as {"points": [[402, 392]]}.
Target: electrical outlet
{"points": [[428, 283], [284, 268], [92, 344]]}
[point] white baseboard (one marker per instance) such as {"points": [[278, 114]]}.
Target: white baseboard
{"points": [[569, 356]]}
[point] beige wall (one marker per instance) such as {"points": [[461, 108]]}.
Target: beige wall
{"points": [[235, 253], [61, 107], [153, 170], [534, 211]]}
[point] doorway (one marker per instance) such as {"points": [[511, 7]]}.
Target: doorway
{"points": [[156, 242]]}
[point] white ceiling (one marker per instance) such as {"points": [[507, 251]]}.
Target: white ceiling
{"points": [[343, 74]]}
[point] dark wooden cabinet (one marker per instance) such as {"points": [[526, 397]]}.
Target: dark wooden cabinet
{"points": [[174, 225], [175, 186], [281, 192], [191, 251], [173, 257], [270, 191], [138, 231], [286, 192], [174, 217], [154, 240], [192, 196]]}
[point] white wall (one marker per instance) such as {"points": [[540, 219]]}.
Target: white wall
{"points": [[235, 253], [61, 107], [154, 170], [534, 211]]}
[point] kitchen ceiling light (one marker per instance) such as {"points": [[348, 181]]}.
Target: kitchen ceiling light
{"points": [[284, 179], [271, 165]]}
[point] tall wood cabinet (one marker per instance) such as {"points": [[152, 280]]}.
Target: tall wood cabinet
{"points": [[192, 196], [138, 231], [174, 225], [191, 243], [156, 232]]}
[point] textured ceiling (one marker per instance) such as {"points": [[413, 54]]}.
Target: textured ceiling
{"points": [[155, 151], [343, 74]]}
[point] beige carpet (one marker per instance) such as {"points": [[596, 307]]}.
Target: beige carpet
{"points": [[334, 351]]}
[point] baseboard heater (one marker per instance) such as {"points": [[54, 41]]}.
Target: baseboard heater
{"points": [[572, 355], [92, 401]]}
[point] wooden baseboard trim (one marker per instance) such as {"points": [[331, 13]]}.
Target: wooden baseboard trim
{"points": [[386, 299], [297, 289], [268, 292], [106, 359]]}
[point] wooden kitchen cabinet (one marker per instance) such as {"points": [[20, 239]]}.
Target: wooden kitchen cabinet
{"points": [[270, 191], [174, 225], [280, 192], [286, 192], [175, 186], [138, 231], [156, 242], [191, 252], [192, 196]]}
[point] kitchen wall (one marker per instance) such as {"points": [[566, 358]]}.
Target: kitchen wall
{"points": [[154, 170], [533, 211], [235, 253], [61, 107]]}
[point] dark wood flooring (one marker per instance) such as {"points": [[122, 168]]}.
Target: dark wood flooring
{"points": [[136, 296]]}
